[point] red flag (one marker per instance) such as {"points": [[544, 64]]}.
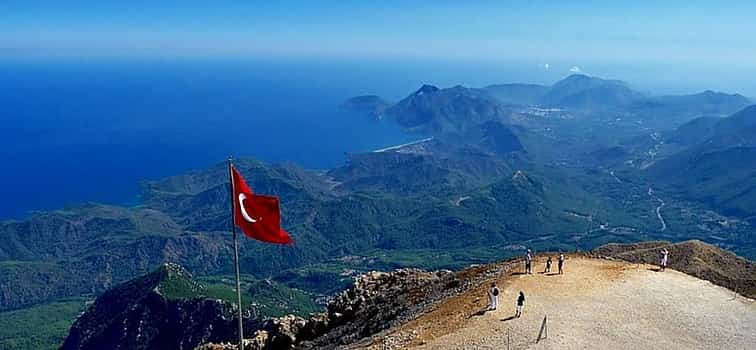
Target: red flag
{"points": [[258, 216]]}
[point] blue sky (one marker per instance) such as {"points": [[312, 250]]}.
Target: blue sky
{"points": [[714, 37], [668, 30]]}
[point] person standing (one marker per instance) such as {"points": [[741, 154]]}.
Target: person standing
{"points": [[548, 265], [493, 297], [520, 304], [560, 263], [664, 259], [529, 262]]}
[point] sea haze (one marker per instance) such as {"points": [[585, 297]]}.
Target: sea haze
{"points": [[82, 131]]}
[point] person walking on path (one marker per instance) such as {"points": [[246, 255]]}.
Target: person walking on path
{"points": [[560, 263], [548, 266], [493, 297], [528, 262], [520, 304], [664, 259]]}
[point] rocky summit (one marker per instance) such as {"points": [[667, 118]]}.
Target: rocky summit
{"points": [[156, 311], [166, 309], [695, 258], [409, 308]]}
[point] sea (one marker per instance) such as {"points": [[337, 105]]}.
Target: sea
{"points": [[76, 130], [90, 130]]}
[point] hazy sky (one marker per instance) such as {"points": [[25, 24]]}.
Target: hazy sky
{"points": [[715, 37]]}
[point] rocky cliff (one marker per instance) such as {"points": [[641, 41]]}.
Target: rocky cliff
{"points": [[160, 310], [167, 309]]}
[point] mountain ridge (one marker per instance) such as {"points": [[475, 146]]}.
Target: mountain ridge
{"points": [[379, 304], [716, 168]]}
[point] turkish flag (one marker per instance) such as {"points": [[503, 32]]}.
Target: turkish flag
{"points": [[258, 216]]}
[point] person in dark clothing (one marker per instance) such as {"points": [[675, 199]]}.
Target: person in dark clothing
{"points": [[548, 266], [560, 263], [520, 304]]}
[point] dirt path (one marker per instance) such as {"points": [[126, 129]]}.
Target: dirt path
{"points": [[596, 304]]}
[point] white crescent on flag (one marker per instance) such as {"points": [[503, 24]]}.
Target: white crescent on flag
{"points": [[244, 213]]}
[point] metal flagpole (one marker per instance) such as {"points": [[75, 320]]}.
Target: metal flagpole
{"points": [[236, 252]]}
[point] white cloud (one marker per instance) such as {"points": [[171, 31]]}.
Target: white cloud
{"points": [[576, 70]]}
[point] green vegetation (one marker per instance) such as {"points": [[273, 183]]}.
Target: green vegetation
{"points": [[268, 297], [434, 259], [40, 327], [176, 283]]}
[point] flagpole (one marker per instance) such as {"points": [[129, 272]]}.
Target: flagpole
{"points": [[236, 252]]}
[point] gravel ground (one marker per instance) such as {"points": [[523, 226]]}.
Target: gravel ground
{"points": [[597, 304]]}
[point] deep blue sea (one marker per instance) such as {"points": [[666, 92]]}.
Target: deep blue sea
{"points": [[77, 131]]}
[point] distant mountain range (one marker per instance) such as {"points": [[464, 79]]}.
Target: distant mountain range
{"points": [[432, 109], [576, 120], [573, 91], [719, 166]]}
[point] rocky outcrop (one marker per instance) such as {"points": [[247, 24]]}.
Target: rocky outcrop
{"points": [[377, 301], [145, 313], [166, 309]]}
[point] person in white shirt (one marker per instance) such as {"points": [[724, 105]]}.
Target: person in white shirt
{"points": [[664, 259], [493, 297], [528, 262], [560, 263]]}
